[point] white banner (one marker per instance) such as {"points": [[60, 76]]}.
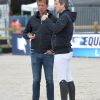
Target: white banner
{"points": [[86, 41]]}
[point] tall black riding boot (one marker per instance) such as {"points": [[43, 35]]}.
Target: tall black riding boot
{"points": [[71, 88], [63, 89]]}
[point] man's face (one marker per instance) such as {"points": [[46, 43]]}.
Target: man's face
{"points": [[42, 7], [58, 6]]}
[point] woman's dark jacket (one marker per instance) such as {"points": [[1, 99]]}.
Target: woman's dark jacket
{"points": [[62, 31]]}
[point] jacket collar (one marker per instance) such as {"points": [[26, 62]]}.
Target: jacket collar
{"points": [[37, 14], [67, 10]]}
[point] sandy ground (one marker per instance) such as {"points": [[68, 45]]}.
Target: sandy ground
{"points": [[16, 78]]}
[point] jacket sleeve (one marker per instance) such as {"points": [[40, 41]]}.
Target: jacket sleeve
{"points": [[61, 22], [28, 29]]}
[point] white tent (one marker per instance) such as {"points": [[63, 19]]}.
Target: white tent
{"points": [[33, 7]]}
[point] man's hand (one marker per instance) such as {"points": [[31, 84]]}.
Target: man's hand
{"points": [[31, 36], [49, 52], [44, 17]]}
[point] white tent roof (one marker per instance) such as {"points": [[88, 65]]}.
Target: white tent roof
{"points": [[33, 7], [29, 7]]}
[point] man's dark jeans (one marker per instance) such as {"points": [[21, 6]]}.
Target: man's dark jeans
{"points": [[46, 61]]}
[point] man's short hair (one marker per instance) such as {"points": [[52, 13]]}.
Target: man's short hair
{"points": [[64, 2], [45, 1]]}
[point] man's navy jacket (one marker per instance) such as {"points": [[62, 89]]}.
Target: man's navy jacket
{"points": [[42, 42]]}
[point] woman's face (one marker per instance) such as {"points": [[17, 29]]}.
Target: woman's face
{"points": [[58, 6]]}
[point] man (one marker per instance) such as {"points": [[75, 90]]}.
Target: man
{"points": [[41, 51], [62, 34]]}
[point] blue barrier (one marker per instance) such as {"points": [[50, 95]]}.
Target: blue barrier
{"points": [[86, 52], [84, 45]]}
